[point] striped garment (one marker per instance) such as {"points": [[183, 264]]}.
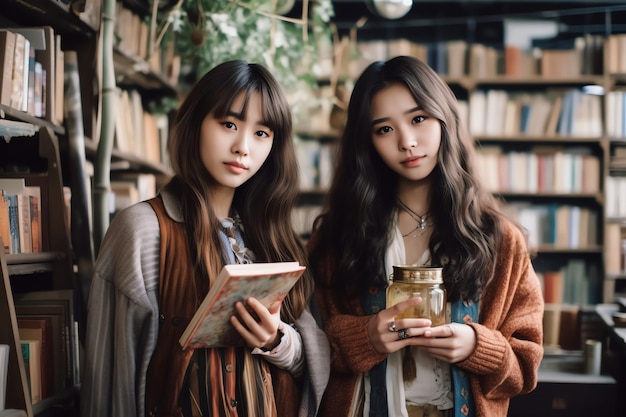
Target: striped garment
{"points": [[122, 322]]}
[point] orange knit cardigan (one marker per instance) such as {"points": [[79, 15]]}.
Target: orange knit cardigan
{"points": [[508, 335]]}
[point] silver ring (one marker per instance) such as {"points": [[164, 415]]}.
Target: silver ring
{"points": [[403, 334], [392, 327], [449, 326]]}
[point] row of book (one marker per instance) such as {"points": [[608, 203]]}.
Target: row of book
{"points": [[137, 37], [615, 253], [615, 197], [553, 112], [615, 114], [302, 218], [32, 71], [128, 189], [315, 161], [562, 326], [576, 282], [552, 58], [138, 132], [615, 53], [554, 225], [541, 169], [20, 219], [48, 334]]}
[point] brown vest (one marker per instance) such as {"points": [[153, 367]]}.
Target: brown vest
{"points": [[169, 362]]}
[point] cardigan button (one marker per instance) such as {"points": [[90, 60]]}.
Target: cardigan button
{"points": [[229, 368], [233, 403]]}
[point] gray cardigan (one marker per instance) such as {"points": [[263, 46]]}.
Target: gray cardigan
{"points": [[122, 320]]}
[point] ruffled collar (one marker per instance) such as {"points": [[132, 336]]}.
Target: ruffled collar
{"points": [[233, 229]]}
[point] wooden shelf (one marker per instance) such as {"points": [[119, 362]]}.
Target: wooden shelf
{"points": [[10, 113], [31, 263], [49, 13], [127, 162], [470, 83], [135, 72]]}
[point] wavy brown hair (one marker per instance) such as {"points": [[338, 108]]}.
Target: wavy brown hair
{"points": [[356, 225], [264, 202]]}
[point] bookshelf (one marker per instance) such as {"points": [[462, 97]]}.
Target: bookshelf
{"points": [[49, 268], [39, 138], [146, 71], [542, 127]]}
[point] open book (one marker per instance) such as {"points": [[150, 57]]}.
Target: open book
{"points": [[267, 282]]}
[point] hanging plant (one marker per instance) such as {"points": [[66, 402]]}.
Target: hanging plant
{"points": [[209, 32]]}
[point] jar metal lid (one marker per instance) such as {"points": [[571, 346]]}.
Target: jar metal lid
{"points": [[418, 274]]}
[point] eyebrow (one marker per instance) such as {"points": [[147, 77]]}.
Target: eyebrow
{"points": [[383, 119], [241, 117], [234, 114]]}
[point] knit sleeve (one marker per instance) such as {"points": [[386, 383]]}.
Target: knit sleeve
{"points": [[351, 349], [122, 316], [510, 331]]}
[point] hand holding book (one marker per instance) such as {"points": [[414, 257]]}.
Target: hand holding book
{"points": [[257, 324], [268, 283]]}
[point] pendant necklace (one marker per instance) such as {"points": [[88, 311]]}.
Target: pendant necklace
{"points": [[422, 223]]}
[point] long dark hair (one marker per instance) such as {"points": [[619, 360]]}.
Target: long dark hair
{"points": [[356, 225], [265, 201]]}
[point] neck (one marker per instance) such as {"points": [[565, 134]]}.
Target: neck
{"points": [[415, 196], [221, 199], [413, 213]]}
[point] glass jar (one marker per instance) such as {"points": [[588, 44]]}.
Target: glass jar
{"points": [[419, 281]]}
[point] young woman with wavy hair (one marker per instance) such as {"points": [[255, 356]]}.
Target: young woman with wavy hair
{"points": [[406, 191]]}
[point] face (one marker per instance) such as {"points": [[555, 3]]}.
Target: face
{"points": [[233, 148], [404, 135]]}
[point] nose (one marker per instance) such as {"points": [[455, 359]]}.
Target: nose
{"points": [[406, 140], [241, 146]]}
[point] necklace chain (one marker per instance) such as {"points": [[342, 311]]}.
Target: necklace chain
{"points": [[422, 223]]}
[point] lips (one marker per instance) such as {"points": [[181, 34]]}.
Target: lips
{"points": [[412, 161], [237, 165]]}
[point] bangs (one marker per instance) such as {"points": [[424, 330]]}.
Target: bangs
{"points": [[272, 107]]}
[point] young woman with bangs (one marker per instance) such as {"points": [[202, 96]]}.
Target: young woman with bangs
{"points": [[229, 201]]}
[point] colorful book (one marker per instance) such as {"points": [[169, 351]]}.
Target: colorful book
{"points": [[267, 282], [41, 329], [31, 353]]}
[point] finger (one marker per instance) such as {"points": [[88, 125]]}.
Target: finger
{"points": [[412, 323], [396, 309], [446, 330], [249, 315], [259, 307], [404, 334], [249, 337], [267, 316]]}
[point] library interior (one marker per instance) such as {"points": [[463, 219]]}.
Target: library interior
{"points": [[88, 91]]}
